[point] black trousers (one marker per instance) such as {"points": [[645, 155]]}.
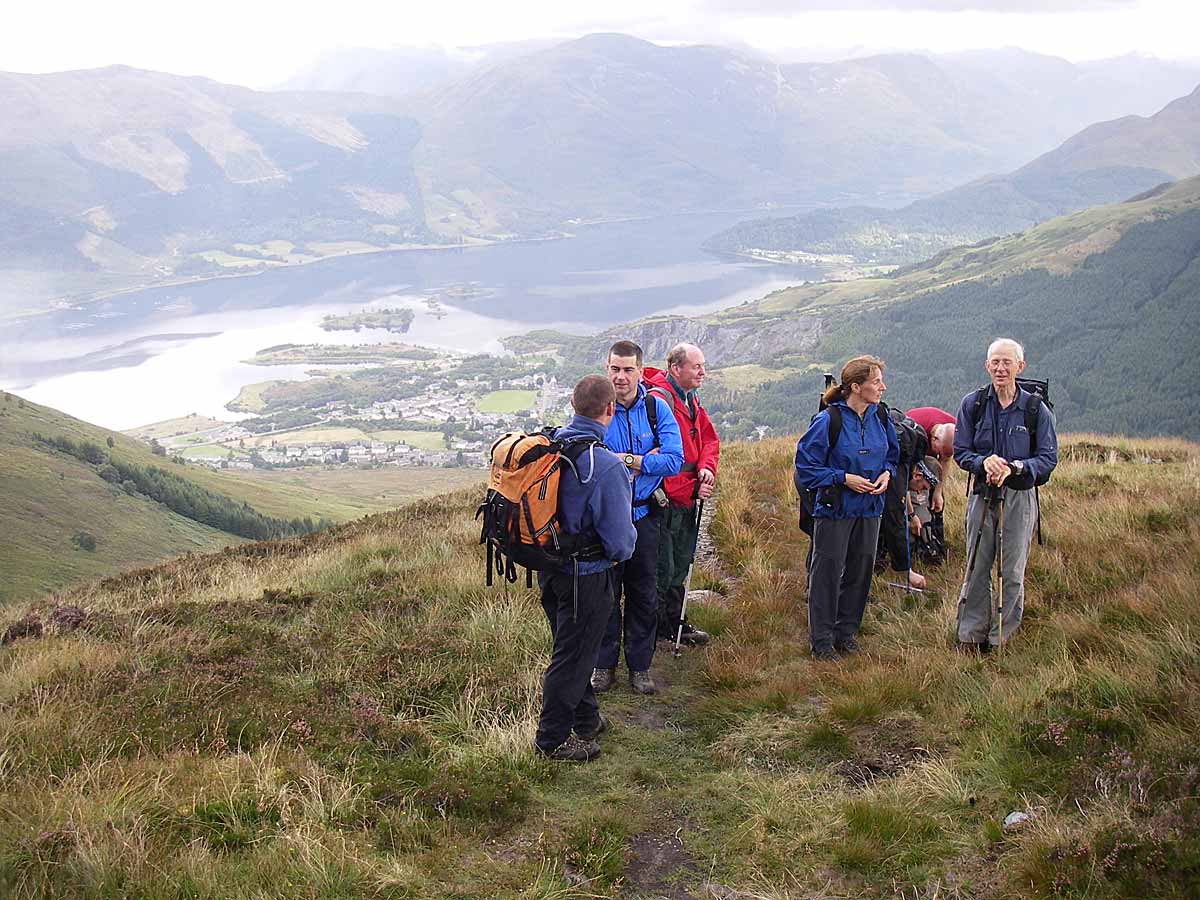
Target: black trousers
{"points": [[637, 586], [843, 554], [568, 700], [676, 551], [893, 529]]}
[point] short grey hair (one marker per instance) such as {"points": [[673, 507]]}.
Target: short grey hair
{"points": [[679, 354], [1009, 343]]}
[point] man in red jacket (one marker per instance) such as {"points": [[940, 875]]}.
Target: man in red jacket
{"points": [[695, 481]]}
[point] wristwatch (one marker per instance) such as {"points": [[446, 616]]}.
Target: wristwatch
{"points": [[1018, 467], [628, 459]]}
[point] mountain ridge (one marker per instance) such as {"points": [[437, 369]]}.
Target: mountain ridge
{"points": [[1103, 163], [117, 178]]}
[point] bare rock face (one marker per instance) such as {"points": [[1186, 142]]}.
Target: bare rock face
{"points": [[731, 342]]}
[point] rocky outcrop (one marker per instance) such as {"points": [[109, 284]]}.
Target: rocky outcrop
{"points": [[725, 342]]}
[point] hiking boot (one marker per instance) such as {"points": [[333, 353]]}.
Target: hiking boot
{"points": [[693, 636], [600, 728], [602, 679], [849, 645], [825, 654], [573, 749], [642, 683]]}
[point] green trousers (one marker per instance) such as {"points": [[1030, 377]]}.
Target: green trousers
{"points": [[676, 548]]}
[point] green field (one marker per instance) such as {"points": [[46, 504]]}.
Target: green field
{"points": [[347, 493], [507, 401], [250, 398], [316, 435], [210, 451], [422, 440]]}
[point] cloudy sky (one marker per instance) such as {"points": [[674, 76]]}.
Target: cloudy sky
{"points": [[261, 42]]}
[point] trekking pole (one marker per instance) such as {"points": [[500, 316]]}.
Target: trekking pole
{"points": [[1000, 572], [907, 544], [687, 583]]}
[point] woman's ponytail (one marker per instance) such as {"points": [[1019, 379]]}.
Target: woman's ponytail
{"points": [[832, 394]]}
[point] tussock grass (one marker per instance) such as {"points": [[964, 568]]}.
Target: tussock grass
{"points": [[350, 715]]}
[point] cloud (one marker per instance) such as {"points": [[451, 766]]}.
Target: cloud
{"points": [[788, 7]]}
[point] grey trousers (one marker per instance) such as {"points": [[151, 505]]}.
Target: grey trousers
{"points": [[839, 578], [978, 618]]}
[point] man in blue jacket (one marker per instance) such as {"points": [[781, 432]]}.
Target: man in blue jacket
{"points": [[650, 451], [593, 500], [993, 443]]}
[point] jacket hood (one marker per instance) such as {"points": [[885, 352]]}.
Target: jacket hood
{"points": [[654, 376]]}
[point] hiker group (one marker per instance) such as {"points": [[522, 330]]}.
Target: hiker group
{"points": [[607, 511], [869, 491]]}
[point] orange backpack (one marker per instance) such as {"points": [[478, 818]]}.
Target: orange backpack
{"points": [[520, 510]]}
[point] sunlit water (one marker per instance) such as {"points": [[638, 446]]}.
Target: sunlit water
{"points": [[164, 352]]}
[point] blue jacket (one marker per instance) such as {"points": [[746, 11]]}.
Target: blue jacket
{"points": [[1002, 431], [629, 432], [596, 500], [865, 447]]}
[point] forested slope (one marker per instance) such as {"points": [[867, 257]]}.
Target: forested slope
{"points": [[1107, 302]]}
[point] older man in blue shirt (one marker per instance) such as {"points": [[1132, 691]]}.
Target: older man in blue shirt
{"points": [[993, 442], [649, 445]]}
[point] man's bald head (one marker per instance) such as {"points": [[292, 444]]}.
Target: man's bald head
{"points": [[941, 440], [685, 363]]}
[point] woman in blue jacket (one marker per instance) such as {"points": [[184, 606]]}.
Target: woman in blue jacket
{"points": [[850, 479]]}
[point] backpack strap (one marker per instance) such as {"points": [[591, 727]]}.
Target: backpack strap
{"points": [[883, 413], [835, 427], [1032, 411], [976, 418], [652, 410]]}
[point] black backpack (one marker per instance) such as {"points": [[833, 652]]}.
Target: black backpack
{"points": [[1041, 392], [914, 443]]}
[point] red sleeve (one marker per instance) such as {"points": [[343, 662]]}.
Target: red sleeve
{"points": [[710, 444]]}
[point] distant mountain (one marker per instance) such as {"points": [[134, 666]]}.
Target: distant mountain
{"points": [[117, 177], [1104, 163], [401, 71], [1106, 299], [120, 175], [609, 125]]}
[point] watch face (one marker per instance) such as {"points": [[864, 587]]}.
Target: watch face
{"points": [[629, 459]]}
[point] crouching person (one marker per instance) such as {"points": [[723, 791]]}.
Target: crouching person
{"points": [[850, 478], [594, 500]]}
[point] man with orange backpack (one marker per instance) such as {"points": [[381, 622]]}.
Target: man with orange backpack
{"points": [[594, 506], [678, 386]]}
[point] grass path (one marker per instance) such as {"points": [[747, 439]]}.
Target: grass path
{"points": [[349, 715]]}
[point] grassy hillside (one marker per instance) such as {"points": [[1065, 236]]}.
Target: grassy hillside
{"points": [[52, 497], [349, 715]]}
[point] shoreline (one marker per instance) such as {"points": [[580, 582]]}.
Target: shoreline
{"points": [[93, 298]]}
